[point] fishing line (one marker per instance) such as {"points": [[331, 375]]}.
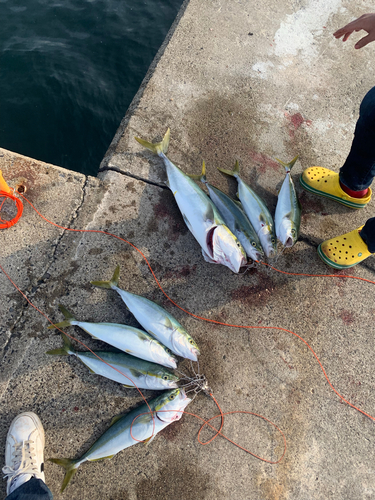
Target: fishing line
{"points": [[203, 319], [151, 412]]}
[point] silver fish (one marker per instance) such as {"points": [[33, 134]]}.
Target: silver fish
{"points": [[126, 338], [288, 209], [155, 320], [219, 245], [234, 217], [257, 211], [166, 409], [135, 372]]}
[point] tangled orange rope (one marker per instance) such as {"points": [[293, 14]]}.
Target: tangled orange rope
{"points": [[221, 415]]}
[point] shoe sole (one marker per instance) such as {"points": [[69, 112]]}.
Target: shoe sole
{"points": [[331, 197], [329, 262]]}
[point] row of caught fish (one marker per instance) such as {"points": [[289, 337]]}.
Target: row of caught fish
{"points": [[144, 353], [228, 230]]}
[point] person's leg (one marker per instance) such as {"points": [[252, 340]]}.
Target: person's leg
{"points": [[358, 170], [368, 234], [34, 489], [24, 459], [351, 185]]}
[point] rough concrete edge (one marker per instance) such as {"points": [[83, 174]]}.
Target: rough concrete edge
{"points": [[136, 99]]}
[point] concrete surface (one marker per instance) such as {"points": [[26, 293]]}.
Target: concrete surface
{"points": [[235, 80]]}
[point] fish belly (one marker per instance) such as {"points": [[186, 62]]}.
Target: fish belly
{"points": [[198, 211]]}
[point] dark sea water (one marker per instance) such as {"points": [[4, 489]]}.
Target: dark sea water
{"points": [[69, 70]]}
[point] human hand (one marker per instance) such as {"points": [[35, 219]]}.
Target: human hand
{"points": [[366, 23]]}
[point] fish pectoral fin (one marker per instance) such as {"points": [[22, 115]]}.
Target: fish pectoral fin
{"points": [[209, 215], [101, 458], [135, 372]]}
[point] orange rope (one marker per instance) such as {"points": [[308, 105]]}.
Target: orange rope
{"points": [[5, 224], [206, 422], [215, 321]]}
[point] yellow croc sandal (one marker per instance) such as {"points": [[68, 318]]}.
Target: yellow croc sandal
{"points": [[325, 182], [344, 251]]}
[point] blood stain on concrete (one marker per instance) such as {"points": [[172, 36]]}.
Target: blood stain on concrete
{"points": [[264, 162], [347, 317], [255, 295], [294, 123]]}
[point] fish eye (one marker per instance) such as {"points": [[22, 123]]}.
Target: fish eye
{"points": [[273, 240], [238, 244], [191, 341], [165, 377], [293, 231], [253, 243], [171, 397], [168, 350]]}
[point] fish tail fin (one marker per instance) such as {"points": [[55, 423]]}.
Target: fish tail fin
{"points": [[157, 147], [68, 318], [288, 166], [234, 173], [64, 350], [70, 468], [201, 177], [111, 283]]}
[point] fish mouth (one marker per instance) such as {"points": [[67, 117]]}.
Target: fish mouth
{"points": [[210, 241], [173, 363], [193, 354], [289, 242]]}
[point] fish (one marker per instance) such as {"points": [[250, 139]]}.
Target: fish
{"points": [[234, 217], [125, 432], [155, 320], [141, 373], [257, 211], [126, 338], [218, 243], [288, 209]]}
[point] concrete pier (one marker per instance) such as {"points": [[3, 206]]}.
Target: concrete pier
{"points": [[234, 80]]}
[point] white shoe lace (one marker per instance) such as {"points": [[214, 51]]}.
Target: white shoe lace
{"points": [[23, 460]]}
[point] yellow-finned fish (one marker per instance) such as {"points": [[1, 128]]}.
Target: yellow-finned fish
{"points": [[288, 209], [155, 320], [257, 211], [218, 243], [166, 409], [135, 372], [126, 338]]}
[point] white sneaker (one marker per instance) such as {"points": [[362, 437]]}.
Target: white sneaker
{"points": [[24, 451]]}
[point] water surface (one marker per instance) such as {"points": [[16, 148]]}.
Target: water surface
{"points": [[69, 70]]}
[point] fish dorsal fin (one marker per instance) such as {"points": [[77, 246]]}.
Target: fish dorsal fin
{"points": [[115, 419], [128, 386]]}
